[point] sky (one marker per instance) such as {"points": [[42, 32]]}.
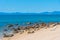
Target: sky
{"points": [[29, 6]]}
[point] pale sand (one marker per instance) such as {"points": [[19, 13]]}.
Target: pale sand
{"points": [[1, 39], [43, 34]]}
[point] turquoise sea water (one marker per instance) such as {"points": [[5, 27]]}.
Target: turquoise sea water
{"points": [[21, 19]]}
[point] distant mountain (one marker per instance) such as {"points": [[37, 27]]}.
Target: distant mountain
{"points": [[43, 13], [51, 13]]}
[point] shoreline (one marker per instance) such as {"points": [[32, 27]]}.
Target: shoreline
{"points": [[36, 32]]}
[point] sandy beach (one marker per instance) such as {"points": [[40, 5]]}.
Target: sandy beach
{"points": [[42, 34], [29, 19], [1, 38]]}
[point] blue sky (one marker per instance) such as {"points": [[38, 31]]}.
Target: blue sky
{"points": [[29, 5]]}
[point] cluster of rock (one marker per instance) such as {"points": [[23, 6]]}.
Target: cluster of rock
{"points": [[29, 29]]}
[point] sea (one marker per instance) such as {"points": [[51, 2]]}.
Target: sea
{"points": [[22, 19]]}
